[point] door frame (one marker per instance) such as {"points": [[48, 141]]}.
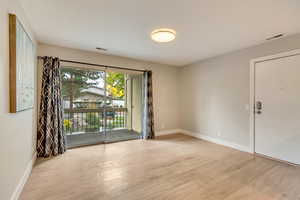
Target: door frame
{"points": [[134, 76], [252, 90]]}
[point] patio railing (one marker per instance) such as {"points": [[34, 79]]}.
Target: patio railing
{"points": [[90, 120]]}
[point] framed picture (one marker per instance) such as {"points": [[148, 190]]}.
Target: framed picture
{"points": [[21, 63]]}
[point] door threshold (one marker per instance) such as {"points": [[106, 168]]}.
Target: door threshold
{"points": [[99, 143]]}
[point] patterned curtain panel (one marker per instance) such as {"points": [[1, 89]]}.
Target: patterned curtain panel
{"points": [[148, 119], [50, 137]]}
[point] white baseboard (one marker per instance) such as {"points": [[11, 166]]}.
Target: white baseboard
{"points": [[218, 141], [23, 179], [167, 132]]}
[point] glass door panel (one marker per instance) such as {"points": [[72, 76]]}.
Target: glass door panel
{"points": [[84, 96], [122, 121], [115, 106]]}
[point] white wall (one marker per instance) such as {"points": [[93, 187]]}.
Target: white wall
{"points": [[17, 131], [165, 80], [215, 92]]}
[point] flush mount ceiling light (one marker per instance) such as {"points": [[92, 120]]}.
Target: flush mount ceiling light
{"points": [[163, 35]]}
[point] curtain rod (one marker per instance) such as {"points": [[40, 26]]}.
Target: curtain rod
{"points": [[98, 65]]}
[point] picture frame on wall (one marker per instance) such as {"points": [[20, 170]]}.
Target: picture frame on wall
{"points": [[21, 67]]}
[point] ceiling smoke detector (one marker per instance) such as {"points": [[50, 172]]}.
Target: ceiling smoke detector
{"points": [[101, 49], [275, 37]]}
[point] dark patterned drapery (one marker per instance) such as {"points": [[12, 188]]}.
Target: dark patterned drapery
{"points": [[148, 129], [50, 137]]}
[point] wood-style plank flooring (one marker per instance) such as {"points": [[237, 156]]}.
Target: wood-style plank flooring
{"points": [[170, 167]]}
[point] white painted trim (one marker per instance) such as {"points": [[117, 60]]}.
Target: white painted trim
{"points": [[23, 179], [277, 56], [217, 141], [167, 132], [252, 90], [251, 106]]}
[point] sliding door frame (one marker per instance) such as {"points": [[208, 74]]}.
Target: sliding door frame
{"points": [[105, 106]]}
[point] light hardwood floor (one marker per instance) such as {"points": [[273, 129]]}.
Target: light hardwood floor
{"points": [[170, 167]]}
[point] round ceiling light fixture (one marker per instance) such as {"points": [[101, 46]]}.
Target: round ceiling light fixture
{"points": [[163, 35]]}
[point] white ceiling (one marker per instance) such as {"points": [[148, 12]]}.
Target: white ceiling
{"points": [[205, 28]]}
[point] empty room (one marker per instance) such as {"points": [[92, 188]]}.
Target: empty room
{"points": [[146, 100]]}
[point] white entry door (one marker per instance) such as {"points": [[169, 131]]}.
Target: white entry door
{"points": [[277, 108]]}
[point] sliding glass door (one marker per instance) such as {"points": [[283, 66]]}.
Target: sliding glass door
{"points": [[124, 107], [100, 106], [84, 97]]}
